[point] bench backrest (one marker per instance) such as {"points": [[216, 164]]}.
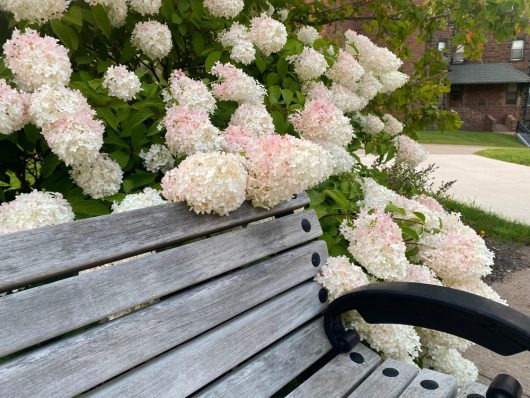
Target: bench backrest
{"points": [[212, 292]]}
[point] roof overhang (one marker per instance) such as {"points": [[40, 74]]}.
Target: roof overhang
{"points": [[500, 73]]}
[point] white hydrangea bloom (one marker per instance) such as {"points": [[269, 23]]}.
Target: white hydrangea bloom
{"points": [[478, 287], [307, 35], [421, 274], [192, 94], [208, 182], [346, 71], [253, 117], [342, 161], [147, 198], [146, 7], [98, 179], [372, 124], [431, 338], [376, 196], [50, 104], [153, 39], [339, 276], [391, 81], [13, 109], [376, 243], [238, 37], [158, 157], [267, 34], [409, 151], [236, 85], [121, 83], [40, 11], [283, 14], [224, 8], [368, 87], [392, 125], [116, 10], [309, 64], [346, 100], [34, 210], [76, 139], [36, 60], [450, 361]]}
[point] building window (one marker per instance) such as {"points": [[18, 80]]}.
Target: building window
{"points": [[456, 94], [458, 58], [517, 50], [511, 94], [442, 45]]}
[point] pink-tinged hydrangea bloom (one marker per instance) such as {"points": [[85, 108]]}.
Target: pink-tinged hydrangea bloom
{"points": [[392, 125], [36, 60], [193, 94], [40, 11], [146, 7], [34, 210], [456, 253], [153, 39], [372, 124], [368, 86], [267, 34], [147, 198], [236, 85], [50, 104], [224, 8], [321, 121], [376, 243], [116, 10], [238, 37], [309, 64], [391, 81], [341, 159], [346, 71], [421, 274], [307, 35], [158, 157], [431, 203], [190, 131], [253, 117], [478, 287], [316, 90], [98, 179], [338, 276], [378, 60], [76, 139], [281, 166], [208, 182], [409, 151], [450, 361], [238, 139], [121, 83], [13, 109]]}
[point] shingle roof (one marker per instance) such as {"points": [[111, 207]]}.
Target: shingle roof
{"points": [[485, 74]]}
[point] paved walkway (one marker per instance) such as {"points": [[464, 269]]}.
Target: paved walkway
{"points": [[501, 187]]}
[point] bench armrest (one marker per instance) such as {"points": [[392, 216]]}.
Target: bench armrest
{"points": [[485, 322]]}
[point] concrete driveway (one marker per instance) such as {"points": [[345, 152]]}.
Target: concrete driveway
{"points": [[502, 187]]}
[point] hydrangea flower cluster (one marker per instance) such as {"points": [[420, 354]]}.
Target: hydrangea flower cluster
{"points": [[153, 39], [236, 85], [267, 34], [224, 8], [34, 210], [157, 158], [238, 37], [146, 7], [121, 83], [193, 94], [340, 276], [253, 117], [372, 124], [409, 151], [307, 35], [38, 12], [147, 198], [392, 125], [116, 10], [99, 178], [309, 64], [13, 109]]}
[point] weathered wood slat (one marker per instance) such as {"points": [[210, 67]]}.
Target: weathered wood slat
{"points": [[269, 371], [473, 388], [340, 376], [35, 315], [182, 371], [78, 363], [389, 380], [431, 384], [50, 251]]}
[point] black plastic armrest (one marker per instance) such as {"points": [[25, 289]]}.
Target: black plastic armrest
{"points": [[485, 322]]}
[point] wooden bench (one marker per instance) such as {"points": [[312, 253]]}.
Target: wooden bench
{"points": [[232, 311]]}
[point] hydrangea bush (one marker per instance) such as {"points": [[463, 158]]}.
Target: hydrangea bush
{"points": [[114, 105]]}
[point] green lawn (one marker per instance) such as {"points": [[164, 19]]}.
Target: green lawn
{"points": [[512, 155], [489, 224], [479, 138]]}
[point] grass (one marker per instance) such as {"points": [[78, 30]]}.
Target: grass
{"points": [[512, 155], [478, 138], [490, 225]]}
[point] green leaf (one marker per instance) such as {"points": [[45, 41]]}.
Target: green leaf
{"points": [[408, 232], [89, 207], [421, 216], [74, 16], [49, 165], [282, 67], [107, 115], [287, 96], [338, 197], [67, 35], [197, 41], [102, 20], [138, 180], [260, 63], [279, 121], [121, 157], [183, 6], [392, 208], [275, 93], [212, 58]]}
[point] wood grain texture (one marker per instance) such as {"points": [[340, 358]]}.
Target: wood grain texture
{"points": [[272, 369], [381, 386], [472, 388], [38, 314], [185, 369], [50, 251], [80, 362], [340, 376], [447, 385]]}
